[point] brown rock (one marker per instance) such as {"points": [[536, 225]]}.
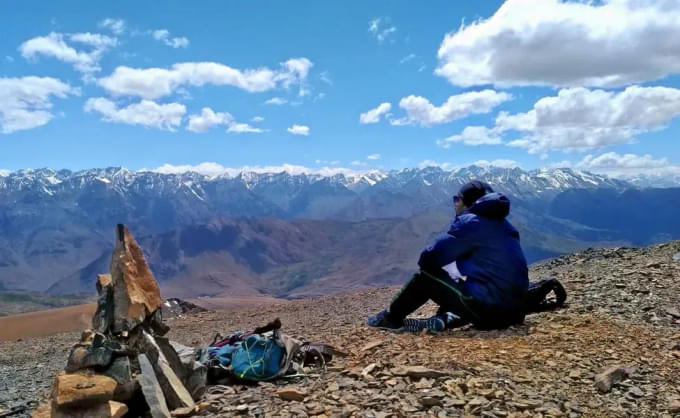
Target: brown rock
{"points": [[418, 372], [291, 394], [183, 412], [428, 401], [674, 406], [368, 370], [372, 344], [82, 390], [135, 290], [117, 409], [43, 411], [605, 380], [110, 409], [206, 406]]}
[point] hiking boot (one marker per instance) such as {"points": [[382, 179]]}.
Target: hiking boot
{"points": [[381, 320], [433, 324], [453, 321]]}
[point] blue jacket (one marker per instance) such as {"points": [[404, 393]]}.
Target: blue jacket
{"points": [[486, 249]]}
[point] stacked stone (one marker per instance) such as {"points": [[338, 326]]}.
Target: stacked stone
{"points": [[124, 363]]}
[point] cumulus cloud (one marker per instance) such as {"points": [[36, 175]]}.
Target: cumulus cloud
{"points": [[501, 162], [627, 165], [214, 169], [166, 116], [276, 101], [208, 119], [373, 157], [243, 128], [163, 35], [153, 83], [117, 26], [299, 130], [25, 102], [54, 45], [554, 42], [358, 163], [381, 28], [579, 119], [473, 135], [420, 111], [95, 40], [257, 119], [431, 163], [374, 115]]}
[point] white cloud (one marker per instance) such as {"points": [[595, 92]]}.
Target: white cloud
{"points": [[381, 28], [373, 157], [25, 102], [299, 130], [117, 26], [501, 162], [473, 135], [9, 58], [208, 119], [257, 119], [54, 45], [243, 128], [358, 163], [95, 40], [579, 119], [325, 77], [374, 115], [327, 162], [627, 165], [166, 116], [152, 83], [420, 111], [554, 42], [407, 58], [277, 101], [431, 163], [214, 169], [163, 35]]}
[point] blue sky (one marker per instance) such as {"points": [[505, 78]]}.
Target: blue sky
{"points": [[94, 84]]}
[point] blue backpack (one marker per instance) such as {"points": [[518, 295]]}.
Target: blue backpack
{"points": [[257, 358]]}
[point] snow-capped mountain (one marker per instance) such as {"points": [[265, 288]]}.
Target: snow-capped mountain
{"points": [[116, 180], [53, 224]]}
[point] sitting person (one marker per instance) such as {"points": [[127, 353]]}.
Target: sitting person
{"points": [[476, 272]]}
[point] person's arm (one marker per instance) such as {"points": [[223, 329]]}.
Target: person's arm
{"points": [[451, 246]]}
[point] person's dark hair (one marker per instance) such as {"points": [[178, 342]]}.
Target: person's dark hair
{"points": [[472, 191]]}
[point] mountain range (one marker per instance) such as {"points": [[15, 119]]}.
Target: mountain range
{"points": [[291, 235]]}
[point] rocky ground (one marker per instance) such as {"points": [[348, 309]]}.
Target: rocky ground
{"points": [[623, 311]]}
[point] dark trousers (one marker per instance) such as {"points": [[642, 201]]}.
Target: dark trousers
{"points": [[450, 296]]}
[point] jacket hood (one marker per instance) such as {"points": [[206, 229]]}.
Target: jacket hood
{"points": [[492, 206]]}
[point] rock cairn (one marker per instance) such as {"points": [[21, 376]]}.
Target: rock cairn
{"points": [[124, 364]]}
